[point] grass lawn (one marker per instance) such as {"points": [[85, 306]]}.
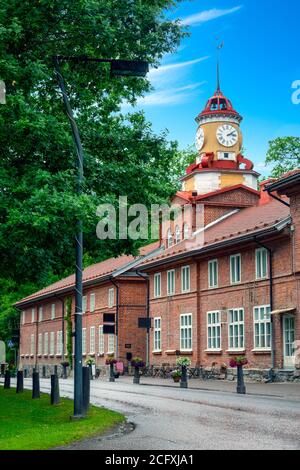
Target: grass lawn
{"points": [[27, 424]]}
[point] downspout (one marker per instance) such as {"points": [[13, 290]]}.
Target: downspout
{"points": [[146, 278], [117, 313], [270, 253]]}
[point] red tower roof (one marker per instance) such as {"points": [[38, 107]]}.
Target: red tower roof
{"points": [[218, 105]]}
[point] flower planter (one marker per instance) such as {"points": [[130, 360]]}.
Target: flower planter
{"points": [[177, 379]]}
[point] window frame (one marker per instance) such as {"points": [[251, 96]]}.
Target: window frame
{"points": [[214, 325], [237, 324], [33, 315], [92, 302], [177, 235], [169, 238], [209, 265], [171, 273], [157, 294], [92, 340], [110, 338], [32, 344], [52, 343], [186, 328], [40, 314], [53, 312], [101, 343], [59, 345], [259, 264], [183, 280], [156, 330], [235, 257], [84, 304], [259, 322], [83, 341], [111, 297], [46, 344]]}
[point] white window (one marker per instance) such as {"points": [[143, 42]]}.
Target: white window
{"points": [[186, 332], [101, 340], [83, 340], [111, 297], [214, 330], [185, 279], [40, 344], [111, 344], [157, 334], [52, 343], [46, 342], [235, 269], [23, 317], [32, 345], [66, 342], [236, 328], [261, 263], [157, 285], [59, 343], [170, 238], [40, 313], [213, 273], [177, 234], [92, 302], [84, 304], [171, 282], [52, 311], [186, 232], [92, 340], [262, 327], [32, 315]]}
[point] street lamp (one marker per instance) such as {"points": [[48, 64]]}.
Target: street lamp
{"points": [[127, 68]]}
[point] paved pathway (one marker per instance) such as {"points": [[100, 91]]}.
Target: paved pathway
{"points": [[172, 418]]}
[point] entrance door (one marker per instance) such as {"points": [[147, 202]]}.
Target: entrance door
{"points": [[288, 342]]}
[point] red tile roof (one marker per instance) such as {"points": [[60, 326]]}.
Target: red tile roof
{"points": [[246, 221], [95, 271]]}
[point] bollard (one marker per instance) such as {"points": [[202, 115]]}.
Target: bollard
{"points": [[240, 388], [111, 373], [54, 397], [183, 379], [35, 385], [85, 390], [7, 379], [20, 382], [136, 377]]}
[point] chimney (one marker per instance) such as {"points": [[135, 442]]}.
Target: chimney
{"points": [[265, 198]]}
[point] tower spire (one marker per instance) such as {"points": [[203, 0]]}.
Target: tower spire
{"points": [[219, 47]]}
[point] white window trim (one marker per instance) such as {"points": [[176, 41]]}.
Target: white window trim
{"points": [[40, 344], [180, 331], [40, 314], [157, 276], [238, 255], [92, 302], [46, 343], [84, 304], [259, 278], [154, 330], [84, 341], [261, 321], [110, 336], [52, 343], [183, 268], [32, 344], [111, 297], [33, 315], [53, 312], [101, 344], [169, 238], [219, 324], [177, 235], [173, 273], [92, 351], [238, 348], [210, 263], [59, 345]]}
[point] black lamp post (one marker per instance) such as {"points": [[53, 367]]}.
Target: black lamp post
{"points": [[117, 68]]}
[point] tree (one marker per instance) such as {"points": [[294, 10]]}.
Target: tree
{"points": [[38, 201], [284, 154]]}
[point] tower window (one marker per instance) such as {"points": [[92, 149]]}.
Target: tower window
{"points": [[223, 104]]}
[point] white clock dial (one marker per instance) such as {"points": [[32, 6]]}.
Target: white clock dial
{"points": [[227, 135], [199, 138]]}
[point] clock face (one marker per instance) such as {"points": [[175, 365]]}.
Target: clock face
{"points": [[199, 138], [227, 135]]}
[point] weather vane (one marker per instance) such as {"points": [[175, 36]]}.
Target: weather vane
{"points": [[219, 47]]}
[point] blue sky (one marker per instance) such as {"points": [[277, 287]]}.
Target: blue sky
{"points": [[259, 63]]}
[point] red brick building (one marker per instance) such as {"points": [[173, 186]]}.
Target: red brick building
{"points": [[222, 281]]}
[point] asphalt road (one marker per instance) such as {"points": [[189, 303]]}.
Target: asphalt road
{"points": [[178, 419]]}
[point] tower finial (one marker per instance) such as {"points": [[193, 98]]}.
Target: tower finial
{"points": [[219, 47]]}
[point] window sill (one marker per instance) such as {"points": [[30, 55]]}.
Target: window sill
{"points": [[45, 355], [91, 354], [110, 353], [100, 354], [212, 287], [188, 352], [213, 351], [261, 351], [186, 291], [157, 353], [170, 352], [58, 355], [235, 351]]}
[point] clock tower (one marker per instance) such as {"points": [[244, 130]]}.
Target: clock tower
{"points": [[220, 163]]}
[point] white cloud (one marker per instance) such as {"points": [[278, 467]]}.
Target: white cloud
{"points": [[208, 15], [169, 96], [166, 68]]}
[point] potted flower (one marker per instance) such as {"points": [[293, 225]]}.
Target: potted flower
{"points": [[176, 375], [239, 362], [183, 362], [137, 363], [111, 361]]}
